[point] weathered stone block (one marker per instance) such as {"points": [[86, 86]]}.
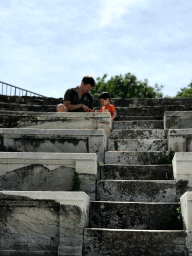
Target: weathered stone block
{"points": [[136, 145], [101, 242], [177, 119], [186, 210], [180, 140], [144, 124], [42, 223], [138, 134], [136, 191], [51, 120], [126, 215], [54, 140], [182, 167], [132, 158], [136, 172], [47, 171]]}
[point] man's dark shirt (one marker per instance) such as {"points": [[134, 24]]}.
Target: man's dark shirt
{"points": [[73, 96]]}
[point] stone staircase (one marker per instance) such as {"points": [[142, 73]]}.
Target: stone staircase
{"points": [[135, 195]]}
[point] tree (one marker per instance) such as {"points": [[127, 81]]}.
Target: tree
{"points": [[185, 92], [126, 86]]}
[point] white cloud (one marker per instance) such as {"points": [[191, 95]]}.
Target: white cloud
{"points": [[115, 8]]}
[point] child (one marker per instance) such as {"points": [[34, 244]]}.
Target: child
{"points": [[107, 107]]}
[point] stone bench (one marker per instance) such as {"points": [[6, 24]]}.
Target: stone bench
{"points": [[42, 223], [180, 140], [182, 167], [51, 120], [177, 119], [186, 209], [33, 171], [54, 140]]}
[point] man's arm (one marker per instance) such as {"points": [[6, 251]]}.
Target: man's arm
{"points": [[68, 105], [114, 115]]}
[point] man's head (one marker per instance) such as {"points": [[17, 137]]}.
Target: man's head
{"points": [[88, 83], [104, 98]]}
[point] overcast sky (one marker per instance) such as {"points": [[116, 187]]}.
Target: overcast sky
{"points": [[47, 46]]}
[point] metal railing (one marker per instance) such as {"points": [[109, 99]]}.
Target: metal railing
{"points": [[11, 90]]}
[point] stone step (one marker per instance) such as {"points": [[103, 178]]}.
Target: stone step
{"points": [[150, 111], [139, 124], [138, 134], [105, 242], [129, 118], [30, 100], [137, 190], [125, 215], [132, 158], [136, 172], [133, 102], [27, 107], [136, 145]]}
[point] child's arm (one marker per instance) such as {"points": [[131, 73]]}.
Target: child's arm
{"points": [[114, 115]]}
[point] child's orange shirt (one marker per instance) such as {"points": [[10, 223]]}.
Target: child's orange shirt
{"points": [[109, 108]]}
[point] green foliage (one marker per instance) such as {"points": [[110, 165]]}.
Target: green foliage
{"points": [[76, 182], [126, 86], [185, 92], [173, 220], [166, 158]]}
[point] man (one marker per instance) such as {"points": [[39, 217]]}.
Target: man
{"points": [[79, 99]]}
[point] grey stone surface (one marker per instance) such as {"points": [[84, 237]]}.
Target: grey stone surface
{"points": [[136, 191], [54, 140], [132, 158], [136, 172], [33, 223], [47, 171], [51, 120], [131, 102], [134, 110], [139, 124], [133, 118], [102, 242], [138, 134], [136, 145], [182, 167], [39, 178], [186, 209], [177, 119], [126, 215], [180, 140], [32, 100]]}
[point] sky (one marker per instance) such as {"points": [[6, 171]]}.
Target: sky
{"points": [[47, 46]]}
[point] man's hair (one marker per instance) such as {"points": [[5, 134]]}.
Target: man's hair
{"points": [[88, 80], [104, 95]]}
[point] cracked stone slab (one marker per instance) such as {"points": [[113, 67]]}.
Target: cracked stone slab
{"points": [[139, 124], [138, 134], [132, 158], [101, 242], [136, 191], [42, 223], [136, 145], [47, 171]]}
